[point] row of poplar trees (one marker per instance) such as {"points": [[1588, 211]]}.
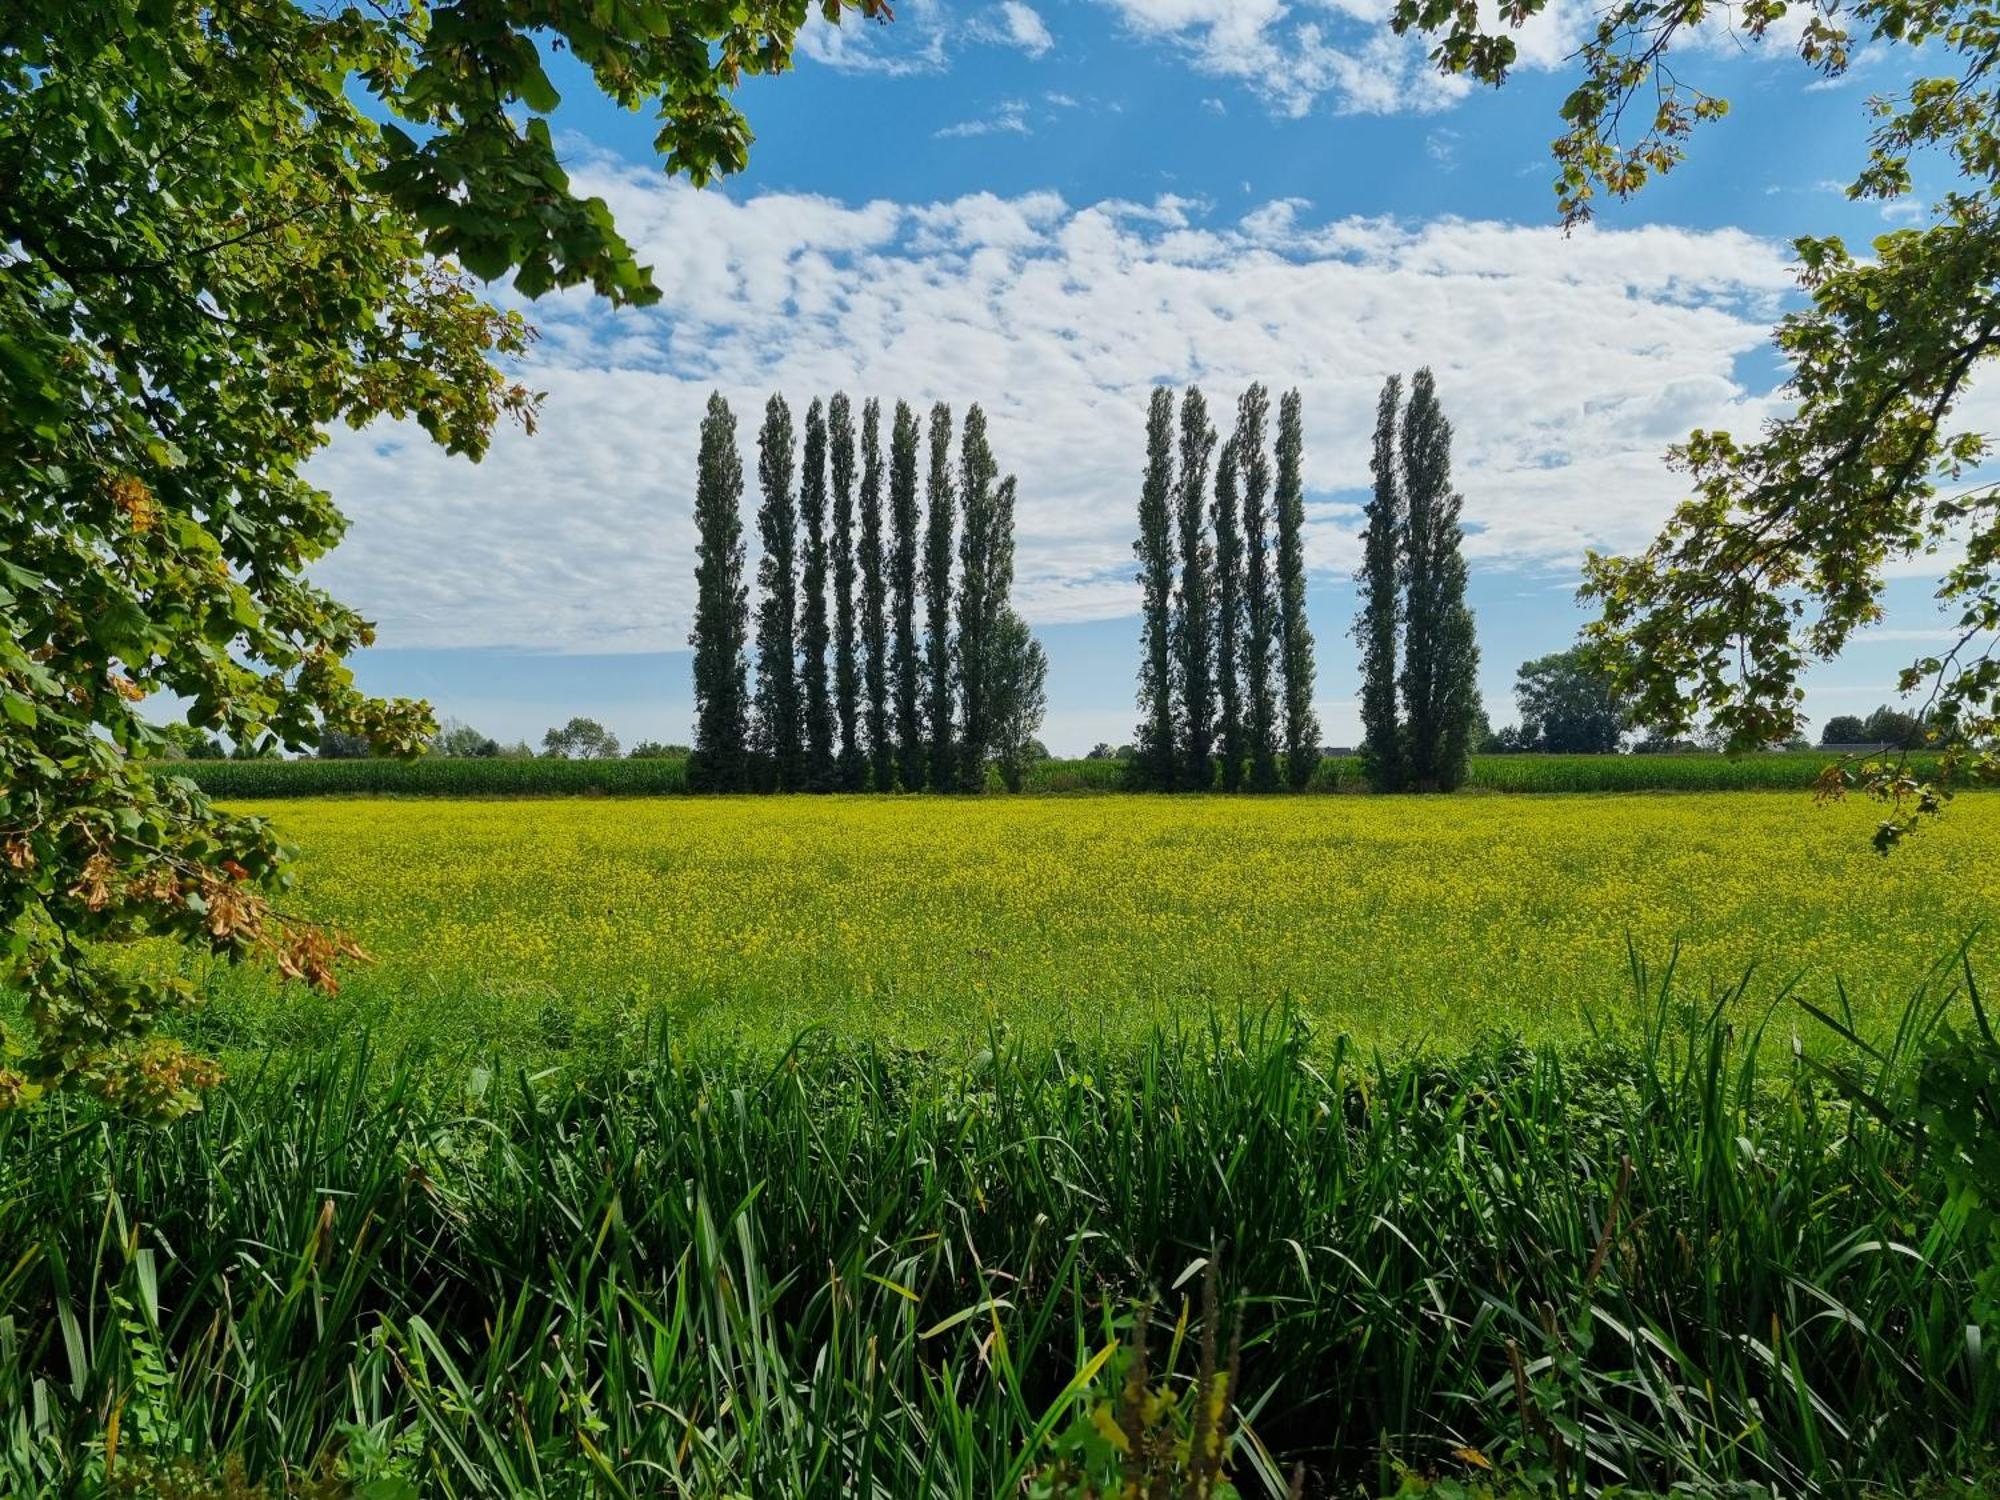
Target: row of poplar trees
{"points": [[1226, 674], [850, 694], [1226, 671], [1419, 659]]}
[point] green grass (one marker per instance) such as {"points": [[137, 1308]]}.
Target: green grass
{"points": [[564, 925], [840, 1270]]}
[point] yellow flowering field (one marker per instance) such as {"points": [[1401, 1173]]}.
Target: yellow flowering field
{"points": [[921, 921]]}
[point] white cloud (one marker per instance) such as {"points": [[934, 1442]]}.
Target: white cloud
{"points": [[1566, 364], [924, 37], [1299, 54], [1294, 56], [1011, 118], [1026, 28], [1014, 25], [984, 220], [915, 44]]}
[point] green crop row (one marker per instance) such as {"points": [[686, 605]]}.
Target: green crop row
{"points": [[1791, 771], [436, 777], [1779, 771]]}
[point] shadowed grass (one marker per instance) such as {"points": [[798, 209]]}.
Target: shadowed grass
{"points": [[838, 1270]]}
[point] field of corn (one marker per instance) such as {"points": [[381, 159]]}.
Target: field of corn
{"points": [[667, 776], [1523, 1146]]}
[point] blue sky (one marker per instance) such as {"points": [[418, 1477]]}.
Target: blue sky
{"points": [[1048, 207]]}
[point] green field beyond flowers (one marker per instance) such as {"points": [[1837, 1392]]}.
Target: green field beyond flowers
{"points": [[551, 923], [437, 776]]}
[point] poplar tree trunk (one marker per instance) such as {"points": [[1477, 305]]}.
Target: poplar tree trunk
{"points": [[977, 515], [1154, 548], [778, 719], [1294, 633], [905, 661], [1228, 523], [1381, 603], [1008, 699], [1260, 614], [874, 615], [818, 703], [852, 772], [1194, 605], [937, 601], [721, 612]]}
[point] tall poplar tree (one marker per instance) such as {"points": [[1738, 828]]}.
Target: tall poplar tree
{"points": [[905, 663], [1020, 694], [813, 690], [1260, 605], [1000, 588], [1459, 705], [1381, 613], [1295, 642], [937, 601], [778, 717], [852, 774], [1006, 696], [977, 539], [1194, 605], [1014, 674], [721, 610], [1154, 548], [1440, 656], [874, 613], [1227, 520]]}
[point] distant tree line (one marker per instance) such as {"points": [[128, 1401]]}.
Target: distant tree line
{"points": [[1226, 666], [848, 694], [1568, 706], [1886, 726], [580, 738]]}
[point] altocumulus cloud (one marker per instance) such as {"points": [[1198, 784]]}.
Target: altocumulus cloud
{"points": [[1340, 52], [1567, 364], [1343, 56], [925, 38]]}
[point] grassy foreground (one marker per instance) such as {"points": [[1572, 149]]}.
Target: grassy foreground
{"points": [[1670, 1259], [555, 927]]}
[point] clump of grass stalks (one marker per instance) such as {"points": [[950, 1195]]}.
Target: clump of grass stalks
{"points": [[1675, 1257]]}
